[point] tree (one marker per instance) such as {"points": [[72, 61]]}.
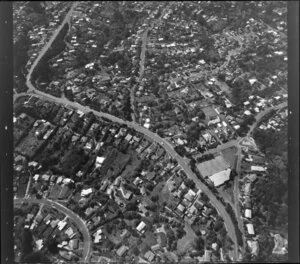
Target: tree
{"points": [[26, 243], [51, 244], [190, 183], [154, 198], [204, 198], [131, 206], [135, 251], [36, 257], [180, 233], [180, 150], [199, 244]]}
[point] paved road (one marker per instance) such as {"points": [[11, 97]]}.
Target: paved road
{"points": [[87, 241], [236, 196], [141, 73], [28, 185], [262, 114], [169, 149], [48, 45], [165, 144], [142, 65]]}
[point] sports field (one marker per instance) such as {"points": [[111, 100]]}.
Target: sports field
{"points": [[210, 167]]}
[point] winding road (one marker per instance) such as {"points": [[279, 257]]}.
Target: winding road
{"points": [[48, 45], [153, 136], [134, 115], [165, 144], [87, 241]]}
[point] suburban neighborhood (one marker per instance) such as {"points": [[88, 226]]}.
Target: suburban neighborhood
{"points": [[149, 132]]}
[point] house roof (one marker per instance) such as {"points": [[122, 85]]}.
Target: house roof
{"points": [[250, 229], [220, 177], [248, 213], [258, 168], [149, 255], [190, 195], [141, 226], [121, 251], [253, 245]]}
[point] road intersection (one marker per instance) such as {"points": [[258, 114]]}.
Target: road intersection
{"points": [[153, 136], [87, 241]]}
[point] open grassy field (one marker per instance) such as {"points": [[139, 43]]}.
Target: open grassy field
{"points": [[130, 167], [210, 167], [186, 243], [229, 155]]}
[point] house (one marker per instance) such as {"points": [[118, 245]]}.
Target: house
{"points": [[150, 176], [250, 229], [258, 168], [247, 188], [126, 194], [190, 195], [86, 192], [248, 213], [36, 177], [155, 247], [69, 232], [65, 255], [98, 236], [137, 181], [253, 245], [247, 112], [149, 255], [74, 244], [215, 246], [124, 233], [140, 228], [99, 161], [180, 208], [281, 245], [104, 186], [207, 255], [47, 219], [61, 225], [251, 177], [54, 223], [122, 250]]}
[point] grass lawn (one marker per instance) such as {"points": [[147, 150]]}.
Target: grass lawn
{"points": [[158, 190], [165, 194], [229, 155], [150, 239], [210, 167], [227, 193], [30, 144], [186, 243], [21, 190], [129, 170], [115, 236], [55, 190]]}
